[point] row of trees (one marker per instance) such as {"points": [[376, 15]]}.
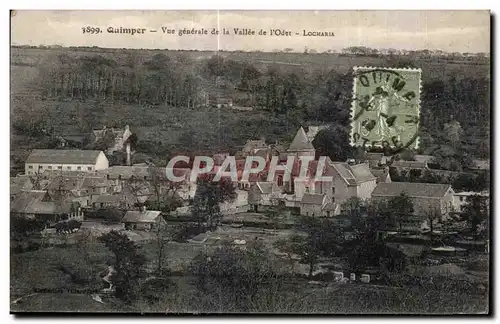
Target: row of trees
{"points": [[160, 80]]}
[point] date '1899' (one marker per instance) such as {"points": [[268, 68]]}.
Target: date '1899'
{"points": [[91, 30]]}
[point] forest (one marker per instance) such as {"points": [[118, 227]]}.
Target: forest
{"points": [[137, 89]]}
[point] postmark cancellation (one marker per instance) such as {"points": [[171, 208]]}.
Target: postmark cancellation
{"points": [[385, 110]]}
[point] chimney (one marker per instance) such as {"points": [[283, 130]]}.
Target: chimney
{"points": [[127, 147]]}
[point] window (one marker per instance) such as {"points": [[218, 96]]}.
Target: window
{"points": [[280, 181], [40, 167], [333, 190], [119, 177], [307, 189], [333, 199], [461, 198], [49, 167], [59, 167], [79, 168], [89, 168], [69, 168], [30, 167]]}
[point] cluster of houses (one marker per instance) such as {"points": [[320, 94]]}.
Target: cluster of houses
{"points": [[61, 184]]}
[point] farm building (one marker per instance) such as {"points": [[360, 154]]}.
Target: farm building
{"points": [[426, 197], [65, 160], [142, 220]]}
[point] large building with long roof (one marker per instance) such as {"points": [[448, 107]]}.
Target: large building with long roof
{"points": [[65, 160]]}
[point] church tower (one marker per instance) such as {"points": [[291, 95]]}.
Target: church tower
{"points": [[301, 145]]}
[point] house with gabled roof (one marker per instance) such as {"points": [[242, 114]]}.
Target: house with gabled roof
{"points": [[347, 181], [120, 137], [142, 220], [426, 197], [20, 183], [40, 205], [316, 205]]}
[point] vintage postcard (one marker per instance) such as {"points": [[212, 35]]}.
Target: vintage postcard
{"points": [[249, 162]]}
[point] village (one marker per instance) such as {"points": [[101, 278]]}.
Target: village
{"points": [[69, 192]]}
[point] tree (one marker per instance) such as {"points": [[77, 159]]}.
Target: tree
{"points": [[161, 243], [454, 132], [208, 197], [314, 239], [235, 277], [333, 142], [128, 263], [275, 212], [402, 206], [432, 215]]}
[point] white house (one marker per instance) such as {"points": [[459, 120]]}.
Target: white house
{"points": [[315, 205], [120, 137], [65, 160], [426, 197]]}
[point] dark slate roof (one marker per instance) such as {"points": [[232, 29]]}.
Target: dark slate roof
{"points": [[65, 183], [63, 156], [313, 199], [25, 199], [138, 172], [301, 142], [95, 182], [361, 172], [19, 183], [148, 216], [344, 172], [31, 202], [108, 199], [412, 189]]}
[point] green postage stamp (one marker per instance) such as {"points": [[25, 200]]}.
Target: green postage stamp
{"points": [[385, 108]]}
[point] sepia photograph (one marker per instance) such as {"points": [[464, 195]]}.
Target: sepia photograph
{"points": [[331, 162]]}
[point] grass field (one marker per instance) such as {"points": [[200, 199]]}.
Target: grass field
{"points": [[431, 69]]}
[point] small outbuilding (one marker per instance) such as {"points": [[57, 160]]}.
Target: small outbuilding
{"points": [[142, 220]]}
